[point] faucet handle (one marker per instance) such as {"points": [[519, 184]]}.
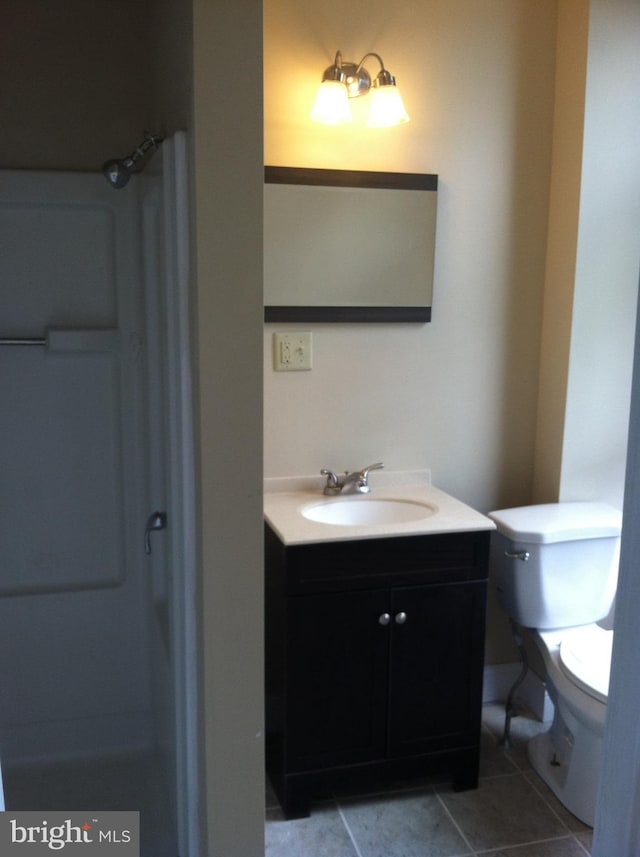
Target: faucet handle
{"points": [[333, 483], [364, 473], [362, 484]]}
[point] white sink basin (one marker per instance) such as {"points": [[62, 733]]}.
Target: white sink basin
{"points": [[365, 511]]}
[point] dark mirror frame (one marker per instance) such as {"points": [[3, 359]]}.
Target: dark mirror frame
{"points": [[357, 179]]}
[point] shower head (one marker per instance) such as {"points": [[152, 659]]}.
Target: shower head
{"points": [[118, 171]]}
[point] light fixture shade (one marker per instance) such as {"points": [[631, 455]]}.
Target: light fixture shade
{"points": [[386, 108], [332, 104]]}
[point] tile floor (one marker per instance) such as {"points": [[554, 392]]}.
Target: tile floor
{"points": [[511, 814]]}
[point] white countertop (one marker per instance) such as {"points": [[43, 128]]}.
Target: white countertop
{"points": [[284, 499]]}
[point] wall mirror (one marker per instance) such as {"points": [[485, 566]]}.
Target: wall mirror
{"points": [[348, 246]]}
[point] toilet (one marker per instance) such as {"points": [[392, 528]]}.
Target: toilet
{"points": [[555, 569]]}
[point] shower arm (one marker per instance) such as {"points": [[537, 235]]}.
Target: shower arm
{"points": [[118, 171], [151, 141]]}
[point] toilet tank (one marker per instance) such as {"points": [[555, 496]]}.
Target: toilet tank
{"points": [[555, 565]]}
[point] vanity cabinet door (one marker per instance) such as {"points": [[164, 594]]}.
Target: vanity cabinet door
{"points": [[437, 654], [337, 665], [374, 657]]}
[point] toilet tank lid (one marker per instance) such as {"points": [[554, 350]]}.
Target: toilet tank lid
{"points": [[558, 522]]}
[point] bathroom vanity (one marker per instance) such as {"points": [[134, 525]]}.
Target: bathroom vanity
{"points": [[374, 645]]}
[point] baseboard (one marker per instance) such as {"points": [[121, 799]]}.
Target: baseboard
{"points": [[532, 693], [66, 740]]}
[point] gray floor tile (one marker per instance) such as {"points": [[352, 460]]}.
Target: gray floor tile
{"points": [[555, 848], [493, 759], [502, 812], [586, 839], [493, 717], [512, 814], [403, 825], [323, 834], [523, 727]]}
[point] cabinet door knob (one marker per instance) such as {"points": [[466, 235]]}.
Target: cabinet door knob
{"points": [[384, 618], [401, 618]]}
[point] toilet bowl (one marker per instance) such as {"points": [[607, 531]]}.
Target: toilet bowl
{"points": [[555, 571], [568, 756]]}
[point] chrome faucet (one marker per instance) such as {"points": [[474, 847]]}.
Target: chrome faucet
{"points": [[355, 483]]}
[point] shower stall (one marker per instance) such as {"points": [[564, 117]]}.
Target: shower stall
{"points": [[97, 623]]}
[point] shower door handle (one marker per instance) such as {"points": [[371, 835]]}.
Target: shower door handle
{"points": [[155, 521]]}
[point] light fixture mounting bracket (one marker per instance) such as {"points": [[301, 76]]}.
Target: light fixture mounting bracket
{"points": [[356, 78]]}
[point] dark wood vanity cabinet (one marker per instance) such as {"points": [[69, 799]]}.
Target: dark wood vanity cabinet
{"points": [[374, 659]]}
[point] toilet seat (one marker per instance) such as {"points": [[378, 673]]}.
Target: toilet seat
{"points": [[585, 658]]}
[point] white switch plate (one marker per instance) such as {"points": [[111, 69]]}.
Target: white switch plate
{"points": [[292, 351]]}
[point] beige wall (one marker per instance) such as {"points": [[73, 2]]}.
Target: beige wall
{"points": [[518, 390], [458, 395], [228, 179], [82, 81], [562, 240], [76, 88]]}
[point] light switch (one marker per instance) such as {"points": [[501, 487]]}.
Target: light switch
{"points": [[292, 351]]}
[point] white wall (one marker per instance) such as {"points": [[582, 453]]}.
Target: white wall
{"points": [[607, 260], [617, 820], [593, 256]]}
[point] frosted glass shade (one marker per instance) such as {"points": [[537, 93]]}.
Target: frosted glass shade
{"points": [[332, 104], [386, 107]]}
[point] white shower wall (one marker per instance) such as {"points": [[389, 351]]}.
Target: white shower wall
{"points": [[74, 584]]}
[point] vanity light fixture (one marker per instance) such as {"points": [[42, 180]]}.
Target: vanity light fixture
{"points": [[344, 80]]}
